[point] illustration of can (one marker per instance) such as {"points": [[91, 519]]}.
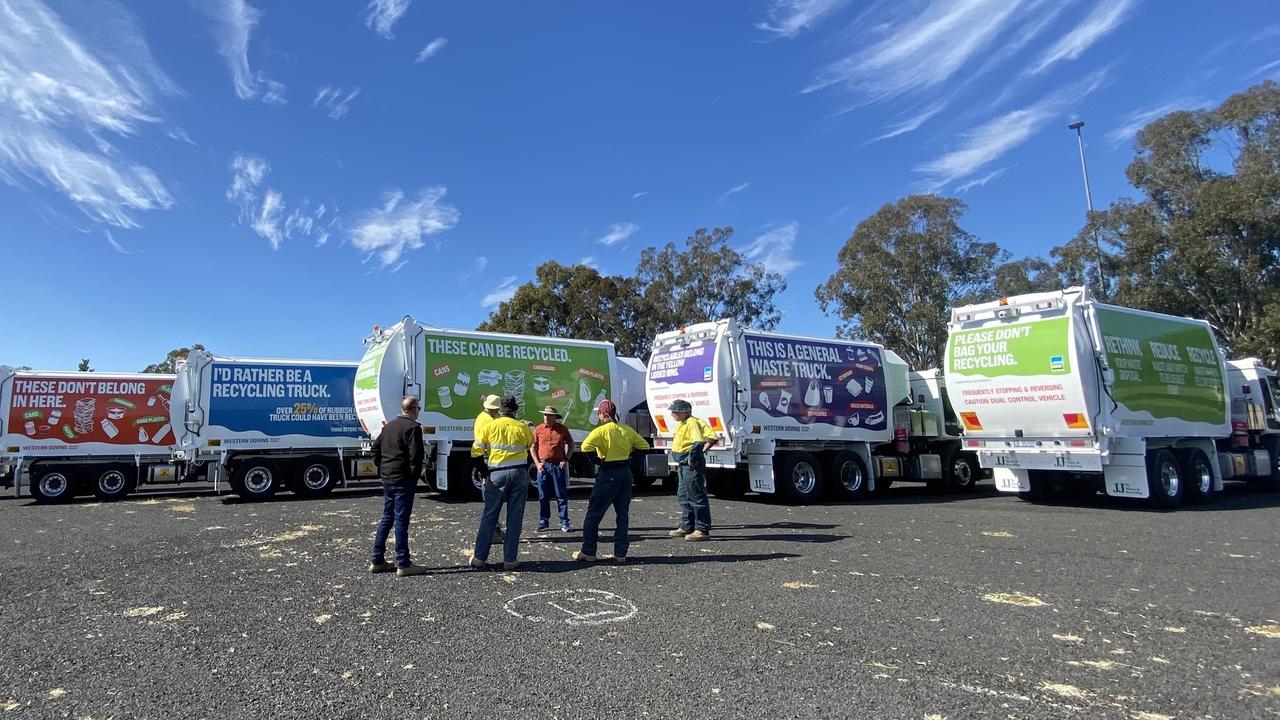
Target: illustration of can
{"points": [[55, 417], [31, 427], [109, 428], [446, 398]]}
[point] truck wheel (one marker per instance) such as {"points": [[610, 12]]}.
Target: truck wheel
{"points": [[114, 482], [464, 483], [315, 476], [53, 484], [1164, 480], [849, 478], [961, 472], [799, 477], [255, 479], [1199, 475]]}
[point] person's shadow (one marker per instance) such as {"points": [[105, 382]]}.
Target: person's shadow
{"points": [[564, 566]]}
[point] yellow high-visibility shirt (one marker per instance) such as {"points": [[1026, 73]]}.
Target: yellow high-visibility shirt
{"points": [[612, 442], [690, 431], [484, 418], [505, 441]]}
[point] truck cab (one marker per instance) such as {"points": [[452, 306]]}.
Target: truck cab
{"points": [[1253, 450]]}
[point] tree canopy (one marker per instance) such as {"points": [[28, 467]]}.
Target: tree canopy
{"points": [[170, 362], [901, 272]]}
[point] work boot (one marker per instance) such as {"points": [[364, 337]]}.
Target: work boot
{"points": [[579, 555], [511, 565], [678, 532], [566, 528], [543, 526], [476, 562], [382, 567], [410, 569], [697, 536], [620, 559]]}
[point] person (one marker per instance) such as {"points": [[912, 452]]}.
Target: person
{"points": [[398, 454], [488, 411], [552, 448], [613, 443], [500, 454], [692, 439]]}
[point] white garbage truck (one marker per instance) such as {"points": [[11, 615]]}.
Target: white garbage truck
{"points": [[266, 424], [68, 433], [449, 371], [803, 416], [1059, 392]]}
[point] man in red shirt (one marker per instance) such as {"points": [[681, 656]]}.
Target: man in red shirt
{"points": [[552, 446]]}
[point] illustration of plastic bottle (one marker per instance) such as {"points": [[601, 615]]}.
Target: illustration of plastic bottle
{"points": [[584, 392], [446, 398], [595, 409], [812, 394], [159, 434], [109, 428], [142, 435]]}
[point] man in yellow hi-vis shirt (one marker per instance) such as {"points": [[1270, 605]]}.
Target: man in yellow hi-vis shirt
{"points": [[693, 438], [613, 444], [488, 411], [501, 454]]}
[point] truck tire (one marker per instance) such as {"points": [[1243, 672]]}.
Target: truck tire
{"points": [[114, 482], [849, 477], [464, 483], [1198, 474], [798, 477], [314, 476], [1164, 480], [961, 472], [53, 484], [255, 479]]}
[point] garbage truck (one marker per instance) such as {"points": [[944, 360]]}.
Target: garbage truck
{"points": [[802, 417], [71, 433], [267, 424], [1059, 392], [450, 371]]}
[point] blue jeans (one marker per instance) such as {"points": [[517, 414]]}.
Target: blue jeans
{"points": [[691, 492], [613, 487], [510, 486], [552, 476], [397, 506]]}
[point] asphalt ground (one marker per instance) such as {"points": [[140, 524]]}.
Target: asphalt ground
{"points": [[908, 606]]}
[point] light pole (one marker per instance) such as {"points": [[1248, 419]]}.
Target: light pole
{"points": [[1088, 198]]}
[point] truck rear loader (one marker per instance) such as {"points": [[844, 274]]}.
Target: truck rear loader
{"points": [[68, 433], [1060, 392], [449, 371], [802, 415], [266, 425]]}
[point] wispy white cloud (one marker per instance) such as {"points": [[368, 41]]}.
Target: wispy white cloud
{"points": [[911, 124], [115, 245], [979, 182], [481, 262], [431, 49], [731, 192], [382, 15], [786, 18], [774, 249], [618, 232], [62, 102], [590, 262], [248, 172], [235, 21], [267, 221], [500, 294], [336, 99], [478, 266], [1131, 123], [1266, 69], [400, 225], [637, 196], [1106, 17], [922, 49], [989, 142]]}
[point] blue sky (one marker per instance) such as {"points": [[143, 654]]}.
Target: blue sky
{"points": [[273, 178]]}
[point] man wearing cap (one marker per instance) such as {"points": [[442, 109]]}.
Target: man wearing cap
{"points": [[552, 446], [613, 443], [500, 453], [693, 438], [488, 411]]}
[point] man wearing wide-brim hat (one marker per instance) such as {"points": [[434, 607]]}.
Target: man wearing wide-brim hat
{"points": [[552, 448]]}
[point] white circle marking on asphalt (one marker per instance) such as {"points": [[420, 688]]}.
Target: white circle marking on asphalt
{"points": [[572, 607]]}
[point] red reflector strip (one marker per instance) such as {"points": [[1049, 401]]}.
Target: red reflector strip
{"points": [[970, 420], [973, 443], [1076, 421], [662, 423], [1078, 443], [714, 422]]}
